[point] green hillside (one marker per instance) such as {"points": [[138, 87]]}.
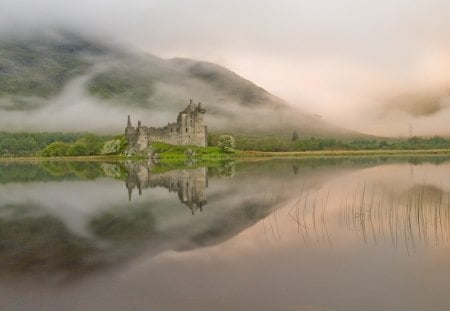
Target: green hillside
{"points": [[41, 67], [34, 71]]}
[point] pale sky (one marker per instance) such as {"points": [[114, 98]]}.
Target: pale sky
{"points": [[347, 60]]}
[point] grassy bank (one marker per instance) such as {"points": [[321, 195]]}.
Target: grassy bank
{"points": [[344, 153], [211, 154]]}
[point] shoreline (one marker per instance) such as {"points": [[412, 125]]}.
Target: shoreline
{"points": [[253, 154], [347, 153]]}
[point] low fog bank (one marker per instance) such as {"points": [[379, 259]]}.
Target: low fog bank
{"points": [[76, 110]]}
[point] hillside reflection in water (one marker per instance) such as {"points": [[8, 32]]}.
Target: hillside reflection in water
{"points": [[310, 234]]}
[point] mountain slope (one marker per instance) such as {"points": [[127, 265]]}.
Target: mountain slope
{"points": [[42, 67], [77, 78]]}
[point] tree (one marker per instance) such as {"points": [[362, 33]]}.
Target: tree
{"points": [[226, 143], [9, 144], [56, 149], [383, 144], [77, 149], [294, 135], [93, 143]]}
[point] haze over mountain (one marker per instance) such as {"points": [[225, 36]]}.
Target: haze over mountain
{"points": [[61, 81], [378, 67]]}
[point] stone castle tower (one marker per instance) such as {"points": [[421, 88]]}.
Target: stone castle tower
{"points": [[188, 130]]}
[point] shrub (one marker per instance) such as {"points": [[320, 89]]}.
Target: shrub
{"points": [[111, 147], [226, 143]]}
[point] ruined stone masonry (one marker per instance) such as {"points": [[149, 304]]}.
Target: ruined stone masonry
{"points": [[188, 130], [190, 184]]}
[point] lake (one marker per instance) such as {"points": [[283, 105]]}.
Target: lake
{"points": [[279, 234]]}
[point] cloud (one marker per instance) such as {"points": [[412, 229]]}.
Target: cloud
{"points": [[419, 104]]}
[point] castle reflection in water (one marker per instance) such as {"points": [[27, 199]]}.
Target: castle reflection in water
{"points": [[190, 184]]}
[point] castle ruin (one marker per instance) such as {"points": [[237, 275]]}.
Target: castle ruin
{"points": [[188, 130], [190, 184]]}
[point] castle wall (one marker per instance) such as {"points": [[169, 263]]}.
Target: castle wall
{"points": [[168, 134], [188, 130], [142, 138]]}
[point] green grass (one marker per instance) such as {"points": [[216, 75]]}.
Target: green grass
{"points": [[167, 152]]}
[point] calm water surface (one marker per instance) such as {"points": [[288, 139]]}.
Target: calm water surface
{"points": [[311, 234]]}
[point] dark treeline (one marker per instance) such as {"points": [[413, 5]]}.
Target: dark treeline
{"points": [[294, 143], [22, 144]]}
